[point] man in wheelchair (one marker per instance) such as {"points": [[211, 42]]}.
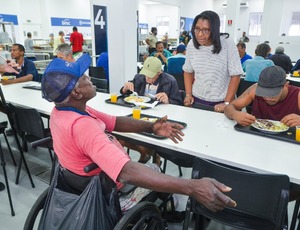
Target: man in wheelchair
{"points": [[81, 136]]}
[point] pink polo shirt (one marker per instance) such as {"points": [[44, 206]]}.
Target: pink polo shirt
{"points": [[79, 140]]}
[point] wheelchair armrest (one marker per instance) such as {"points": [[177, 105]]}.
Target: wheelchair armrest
{"points": [[128, 188], [40, 142]]}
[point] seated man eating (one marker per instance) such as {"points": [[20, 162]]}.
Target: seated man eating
{"points": [[272, 98]]}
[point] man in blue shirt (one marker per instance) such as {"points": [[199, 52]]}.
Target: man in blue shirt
{"points": [[255, 66], [241, 46], [26, 68], [103, 62], [296, 67], [176, 62]]}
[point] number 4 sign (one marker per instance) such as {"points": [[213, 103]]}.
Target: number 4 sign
{"points": [[99, 20], [100, 28]]}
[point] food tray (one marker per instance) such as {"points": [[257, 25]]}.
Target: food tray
{"points": [[121, 102], [152, 134], [288, 136]]}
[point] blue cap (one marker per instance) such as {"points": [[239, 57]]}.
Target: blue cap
{"points": [[60, 77], [181, 48]]}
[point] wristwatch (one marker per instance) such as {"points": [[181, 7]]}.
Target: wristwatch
{"points": [[226, 102]]}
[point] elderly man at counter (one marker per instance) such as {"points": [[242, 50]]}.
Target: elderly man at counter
{"points": [[25, 69], [272, 98]]}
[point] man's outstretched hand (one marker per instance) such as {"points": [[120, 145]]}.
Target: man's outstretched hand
{"points": [[171, 130]]}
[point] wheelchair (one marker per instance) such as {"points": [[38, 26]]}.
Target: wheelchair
{"points": [[144, 215]]}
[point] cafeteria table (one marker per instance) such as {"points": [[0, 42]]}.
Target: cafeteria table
{"points": [[208, 135]]}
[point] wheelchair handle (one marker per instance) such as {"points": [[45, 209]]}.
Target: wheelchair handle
{"points": [[40, 142]]}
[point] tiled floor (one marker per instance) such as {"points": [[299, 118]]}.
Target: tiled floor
{"points": [[24, 195]]}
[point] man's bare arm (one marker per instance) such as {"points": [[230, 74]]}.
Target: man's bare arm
{"points": [[233, 110], [208, 192]]}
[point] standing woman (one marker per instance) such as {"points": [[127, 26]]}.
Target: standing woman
{"points": [[212, 68]]}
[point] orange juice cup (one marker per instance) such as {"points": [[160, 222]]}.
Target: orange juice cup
{"points": [[296, 73], [297, 133], [113, 97], [136, 112]]}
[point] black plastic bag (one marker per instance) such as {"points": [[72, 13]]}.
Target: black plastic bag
{"points": [[89, 210]]}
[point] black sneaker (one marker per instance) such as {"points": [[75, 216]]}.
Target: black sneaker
{"points": [[2, 186], [9, 132]]}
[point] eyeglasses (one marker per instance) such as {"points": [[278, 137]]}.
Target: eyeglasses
{"points": [[204, 31]]}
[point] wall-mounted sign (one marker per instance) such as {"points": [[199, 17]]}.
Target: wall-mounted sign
{"points": [[186, 24], [100, 28], [143, 26], [70, 22], [9, 18]]}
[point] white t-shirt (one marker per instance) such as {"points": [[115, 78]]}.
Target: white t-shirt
{"points": [[212, 71]]}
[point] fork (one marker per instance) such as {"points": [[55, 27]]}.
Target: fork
{"points": [[259, 124], [152, 105], [135, 93]]}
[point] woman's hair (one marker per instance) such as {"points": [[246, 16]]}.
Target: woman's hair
{"points": [[214, 22]]}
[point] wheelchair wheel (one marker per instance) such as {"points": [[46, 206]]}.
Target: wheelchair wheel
{"points": [[144, 215], [35, 210]]}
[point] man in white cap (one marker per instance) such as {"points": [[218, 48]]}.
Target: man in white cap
{"points": [[271, 98], [153, 81]]}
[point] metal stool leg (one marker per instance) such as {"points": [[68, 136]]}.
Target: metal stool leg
{"points": [[295, 215], [9, 149], [6, 181], [180, 171], [22, 160], [165, 168]]}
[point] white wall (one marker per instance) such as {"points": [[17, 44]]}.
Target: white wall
{"points": [[192, 8], [276, 19], [149, 13], [38, 12]]}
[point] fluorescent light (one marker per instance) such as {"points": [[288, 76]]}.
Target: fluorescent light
{"points": [[152, 3]]}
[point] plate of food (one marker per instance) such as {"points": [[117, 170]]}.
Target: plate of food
{"points": [[151, 119], [270, 126], [134, 99]]}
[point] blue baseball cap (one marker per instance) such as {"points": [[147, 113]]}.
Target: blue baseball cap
{"points": [[60, 77], [181, 48]]}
